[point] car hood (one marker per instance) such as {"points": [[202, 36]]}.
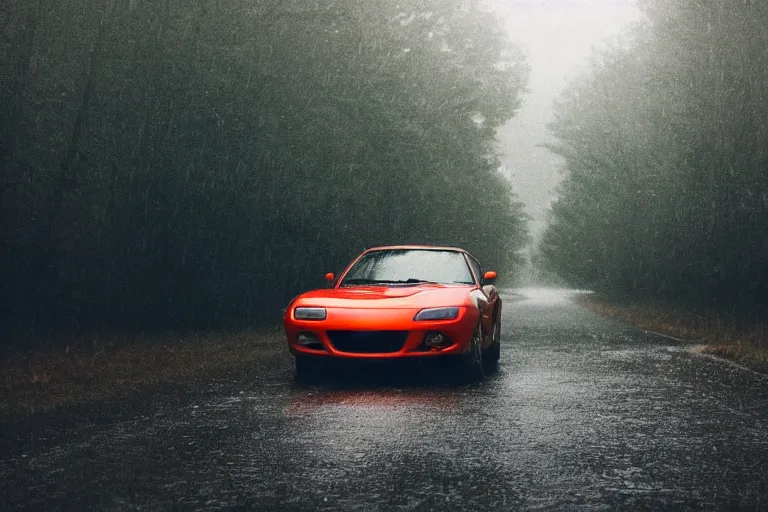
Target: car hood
{"points": [[371, 297]]}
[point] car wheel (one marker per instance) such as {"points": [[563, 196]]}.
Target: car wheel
{"points": [[472, 362], [306, 369], [492, 354]]}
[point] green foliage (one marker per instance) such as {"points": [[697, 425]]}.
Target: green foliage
{"points": [[170, 162], [666, 192]]}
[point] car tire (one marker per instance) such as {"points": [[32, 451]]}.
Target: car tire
{"points": [[306, 369], [492, 354], [472, 362]]}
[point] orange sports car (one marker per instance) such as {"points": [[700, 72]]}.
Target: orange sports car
{"points": [[409, 301]]}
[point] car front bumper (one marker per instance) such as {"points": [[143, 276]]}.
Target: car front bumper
{"points": [[378, 334]]}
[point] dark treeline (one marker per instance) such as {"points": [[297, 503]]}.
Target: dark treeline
{"points": [[175, 162], [666, 149]]}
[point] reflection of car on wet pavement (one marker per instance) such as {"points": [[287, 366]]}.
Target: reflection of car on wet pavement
{"points": [[400, 302]]}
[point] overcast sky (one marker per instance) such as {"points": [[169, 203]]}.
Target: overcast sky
{"points": [[558, 36]]}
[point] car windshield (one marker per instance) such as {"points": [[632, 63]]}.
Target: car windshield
{"points": [[409, 266]]}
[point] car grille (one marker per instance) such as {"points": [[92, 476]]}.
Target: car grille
{"points": [[368, 342]]}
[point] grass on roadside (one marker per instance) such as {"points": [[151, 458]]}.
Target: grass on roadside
{"points": [[45, 380], [727, 336]]}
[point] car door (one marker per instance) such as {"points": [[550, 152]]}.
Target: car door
{"points": [[487, 299]]}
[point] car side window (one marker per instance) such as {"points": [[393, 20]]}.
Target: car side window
{"points": [[476, 269]]}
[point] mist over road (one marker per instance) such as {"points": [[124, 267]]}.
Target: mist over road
{"points": [[584, 413]]}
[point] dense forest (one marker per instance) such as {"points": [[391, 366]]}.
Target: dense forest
{"points": [[167, 162], [666, 148]]}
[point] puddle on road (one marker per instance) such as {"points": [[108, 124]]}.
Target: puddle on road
{"points": [[549, 296]]}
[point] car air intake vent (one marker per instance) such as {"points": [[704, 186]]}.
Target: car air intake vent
{"points": [[368, 342]]}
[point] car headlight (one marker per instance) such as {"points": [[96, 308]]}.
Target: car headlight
{"points": [[302, 313], [437, 314]]}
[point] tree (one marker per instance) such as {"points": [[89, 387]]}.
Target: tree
{"points": [[666, 171], [199, 163]]}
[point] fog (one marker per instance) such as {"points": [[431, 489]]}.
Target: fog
{"points": [[558, 37], [167, 165]]}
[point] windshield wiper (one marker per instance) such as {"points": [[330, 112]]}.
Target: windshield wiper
{"points": [[365, 281], [411, 280]]}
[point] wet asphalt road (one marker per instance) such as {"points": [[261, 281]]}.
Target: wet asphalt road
{"points": [[584, 413]]}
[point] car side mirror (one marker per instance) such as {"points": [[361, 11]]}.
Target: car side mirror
{"points": [[330, 276], [489, 277]]}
